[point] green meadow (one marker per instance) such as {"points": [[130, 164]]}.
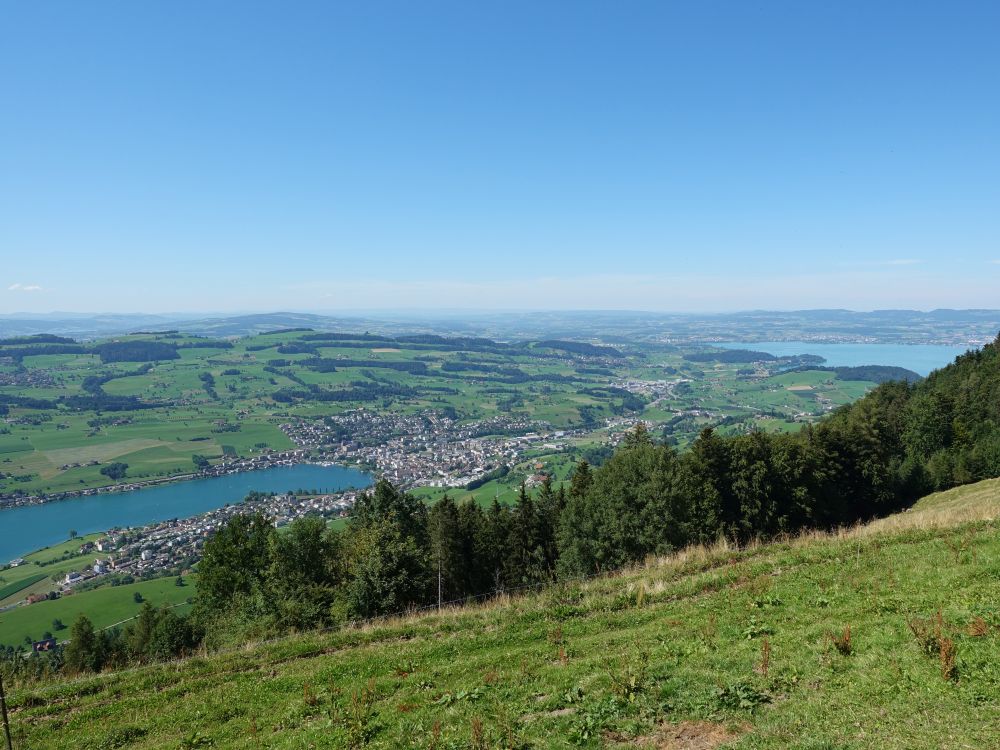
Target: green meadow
{"points": [[39, 567], [104, 606]]}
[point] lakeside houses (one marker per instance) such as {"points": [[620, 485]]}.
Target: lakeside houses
{"points": [[72, 578], [426, 449], [159, 548], [410, 450], [106, 544], [227, 465]]}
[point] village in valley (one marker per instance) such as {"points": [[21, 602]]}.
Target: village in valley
{"points": [[471, 417], [424, 450]]}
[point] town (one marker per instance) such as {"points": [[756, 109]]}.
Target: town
{"points": [[172, 547], [428, 449]]}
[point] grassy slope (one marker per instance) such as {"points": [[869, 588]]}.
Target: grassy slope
{"points": [[973, 502], [547, 668]]}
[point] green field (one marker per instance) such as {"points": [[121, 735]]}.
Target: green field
{"points": [[50, 561], [104, 606], [12, 588], [712, 647]]}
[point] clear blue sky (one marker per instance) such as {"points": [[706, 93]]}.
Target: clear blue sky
{"points": [[165, 156]]}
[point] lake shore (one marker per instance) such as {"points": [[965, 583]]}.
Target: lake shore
{"points": [[233, 466], [35, 526], [920, 358]]}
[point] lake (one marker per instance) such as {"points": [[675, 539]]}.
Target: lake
{"points": [[31, 527], [921, 358]]}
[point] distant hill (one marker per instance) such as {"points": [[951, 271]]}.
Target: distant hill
{"points": [[78, 326], [610, 326], [577, 347], [248, 325]]}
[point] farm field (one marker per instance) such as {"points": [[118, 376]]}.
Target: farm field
{"points": [[68, 416], [40, 566], [820, 641], [10, 589], [104, 606]]}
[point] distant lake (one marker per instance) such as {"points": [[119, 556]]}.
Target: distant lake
{"points": [[921, 358], [31, 527]]}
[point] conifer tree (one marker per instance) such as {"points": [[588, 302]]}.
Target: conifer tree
{"points": [[84, 652]]}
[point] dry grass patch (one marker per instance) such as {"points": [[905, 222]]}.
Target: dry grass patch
{"points": [[101, 452], [954, 507], [690, 735]]}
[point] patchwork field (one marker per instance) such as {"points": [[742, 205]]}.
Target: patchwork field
{"points": [[68, 415]]}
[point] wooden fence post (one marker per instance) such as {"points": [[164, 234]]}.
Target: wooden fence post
{"points": [[3, 712]]}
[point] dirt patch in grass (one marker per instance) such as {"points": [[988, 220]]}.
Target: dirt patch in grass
{"points": [[384, 350], [555, 714], [688, 735]]}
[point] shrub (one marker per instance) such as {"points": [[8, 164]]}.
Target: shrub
{"points": [[630, 678], [928, 633], [755, 629]]}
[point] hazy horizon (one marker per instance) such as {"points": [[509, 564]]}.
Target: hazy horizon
{"points": [[431, 312], [500, 157]]}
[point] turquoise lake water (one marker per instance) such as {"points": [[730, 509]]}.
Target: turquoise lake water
{"points": [[921, 358], [31, 527]]}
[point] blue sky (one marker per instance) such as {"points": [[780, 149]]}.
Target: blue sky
{"points": [[221, 156]]}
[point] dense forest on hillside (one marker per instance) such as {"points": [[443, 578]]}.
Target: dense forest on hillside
{"points": [[730, 355], [136, 351], [868, 459], [870, 373]]}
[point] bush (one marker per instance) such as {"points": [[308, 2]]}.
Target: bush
{"points": [[115, 471]]}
